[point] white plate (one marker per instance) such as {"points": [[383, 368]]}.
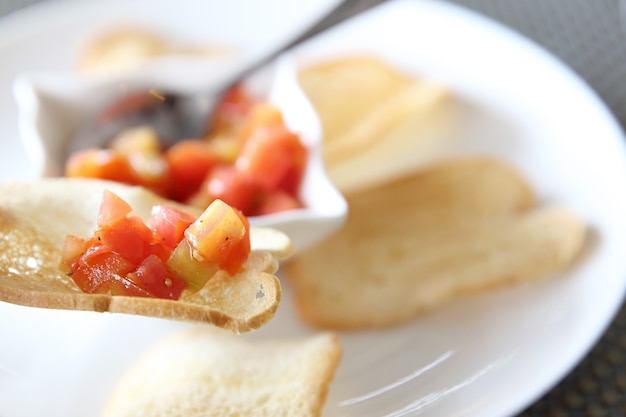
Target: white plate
{"points": [[489, 355]]}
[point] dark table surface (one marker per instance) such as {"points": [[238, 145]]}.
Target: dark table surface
{"points": [[590, 37]]}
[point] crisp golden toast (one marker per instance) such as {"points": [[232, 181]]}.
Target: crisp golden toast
{"points": [[203, 372], [36, 216], [416, 242], [371, 112]]}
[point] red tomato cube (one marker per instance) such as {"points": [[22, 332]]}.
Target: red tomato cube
{"points": [[128, 236], [189, 162], [123, 286], [275, 157], [112, 208], [96, 268], [170, 223], [277, 201], [154, 277], [73, 248], [100, 163], [228, 184]]}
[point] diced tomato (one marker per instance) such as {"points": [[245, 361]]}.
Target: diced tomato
{"points": [[265, 114], [96, 267], [142, 140], [174, 251], [101, 271], [276, 202], [220, 236], [126, 236], [112, 208], [247, 152], [114, 262], [158, 249], [227, 183], [297, 154], [189, 162], [150, 172], [273, 156], [123, 231], [73, 248], [124, 286], [226, 147], [141, 147], [261, 115], [134, 158], [154, 277], [105, 164], [170, 223], [232, 110]]}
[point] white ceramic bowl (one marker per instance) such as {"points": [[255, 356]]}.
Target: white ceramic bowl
{"points": [[53, 106]]}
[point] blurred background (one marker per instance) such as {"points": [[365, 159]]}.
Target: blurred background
{"points": [[590, 37]]}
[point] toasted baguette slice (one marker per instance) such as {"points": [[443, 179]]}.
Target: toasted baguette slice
{"points": [[460, 226], [205, 373], [370, 109], [36, 216]]}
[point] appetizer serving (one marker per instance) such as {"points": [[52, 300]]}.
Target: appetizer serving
{"points": [[202, 372], [240, 293], [172, 252], [249, 158], [455, 228], [419, 233]]}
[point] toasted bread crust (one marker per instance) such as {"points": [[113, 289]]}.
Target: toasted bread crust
{"points": [[412, 244], [202, 372], [36, 216]]}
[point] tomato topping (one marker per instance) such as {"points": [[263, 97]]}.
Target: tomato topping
{"points": [[275, 157], [227, 183], [73, 248], [124, 286], [97, 267], [218, 239], [121, 229], [112, 208], [189, 163], [141, 147], [220, 236], [170, 223], [127, 236], [277, 201], [153, 276], [142, 140], [100, 163], [158, 249], [232, 111], [247, 154], [173, 251]]}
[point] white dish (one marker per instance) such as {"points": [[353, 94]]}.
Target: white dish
{"points": [[52, 107], [489, 355]]}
